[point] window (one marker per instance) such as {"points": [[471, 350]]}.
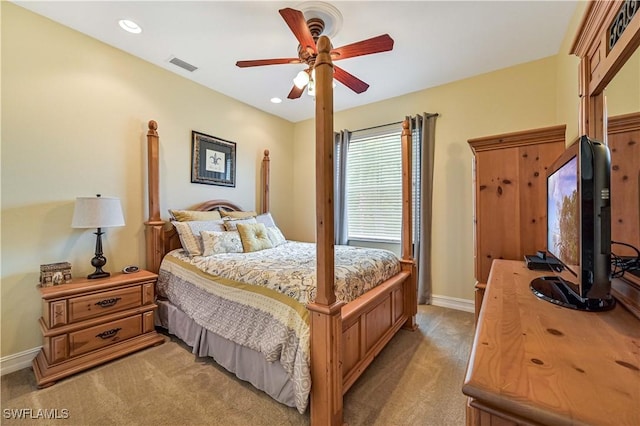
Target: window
{"points": [[374, 184]]}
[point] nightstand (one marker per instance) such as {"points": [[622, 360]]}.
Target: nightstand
{"points": [[90, 322]]}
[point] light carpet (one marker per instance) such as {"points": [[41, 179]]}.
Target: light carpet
{"points": [[415, 380]]}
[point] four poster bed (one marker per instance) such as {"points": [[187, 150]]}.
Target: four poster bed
{"points": [[324, 330]]}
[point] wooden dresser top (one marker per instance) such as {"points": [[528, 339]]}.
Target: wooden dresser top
{"points": [[549, 364]]}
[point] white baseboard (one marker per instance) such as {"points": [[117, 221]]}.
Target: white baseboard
{"points": [[453, 303], [15, 362]]}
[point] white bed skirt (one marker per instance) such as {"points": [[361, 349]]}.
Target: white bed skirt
{"points": [[245, 363]]}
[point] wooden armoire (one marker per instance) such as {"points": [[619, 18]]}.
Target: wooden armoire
{"points": [[510, 191]]}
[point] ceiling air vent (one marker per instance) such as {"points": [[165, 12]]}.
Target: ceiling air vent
{"points": [[182, 64]]}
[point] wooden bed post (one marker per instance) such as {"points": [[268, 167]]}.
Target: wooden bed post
{"points": [[265, 181], [326, 320], [154, 225], [407, 262]]}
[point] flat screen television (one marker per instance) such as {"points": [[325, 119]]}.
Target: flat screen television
{"points": [[579, 228]]}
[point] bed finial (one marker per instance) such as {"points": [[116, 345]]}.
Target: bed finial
{"points": [[324, 46], [153, 127], [405, 125]]}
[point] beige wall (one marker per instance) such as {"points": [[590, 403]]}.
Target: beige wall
{"points": [[623, 93], [74, 120]]}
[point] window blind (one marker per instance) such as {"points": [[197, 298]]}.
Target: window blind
{"points": [[374, 184]]}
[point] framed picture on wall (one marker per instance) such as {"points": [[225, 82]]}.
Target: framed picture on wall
{"points": [[213, 160]]}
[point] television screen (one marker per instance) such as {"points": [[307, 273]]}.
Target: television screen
{"points": [[563, 215], [579, 228]]}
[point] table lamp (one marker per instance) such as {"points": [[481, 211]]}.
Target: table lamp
{"points": [[97, 212]]}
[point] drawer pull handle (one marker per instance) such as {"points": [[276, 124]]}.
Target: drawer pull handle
{"points": [[107, 303], [109, 333]]}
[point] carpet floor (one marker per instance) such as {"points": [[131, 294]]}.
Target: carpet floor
{"points": [[415, 380]]}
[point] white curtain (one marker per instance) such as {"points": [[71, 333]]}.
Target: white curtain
{"points": [[340, 149], [423, 128]]}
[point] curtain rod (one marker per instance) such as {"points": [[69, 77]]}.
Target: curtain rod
{"points": [[435, 114], [377, 127]]}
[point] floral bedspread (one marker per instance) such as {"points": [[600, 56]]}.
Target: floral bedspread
{"points": [[258, 299], [291, 269]]}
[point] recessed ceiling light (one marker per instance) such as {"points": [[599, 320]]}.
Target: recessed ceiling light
{"points": [[276, 100], [130, 26]]}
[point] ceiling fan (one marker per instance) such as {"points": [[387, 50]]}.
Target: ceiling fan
{"points": [[307, 33]]}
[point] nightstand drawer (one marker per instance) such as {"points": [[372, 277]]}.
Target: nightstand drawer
{"points": [[94, 305], [103, 335]]}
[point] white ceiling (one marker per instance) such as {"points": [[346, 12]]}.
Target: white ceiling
{"points": [[435, 42]]}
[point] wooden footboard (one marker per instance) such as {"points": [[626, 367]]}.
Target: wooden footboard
{"points": [[369, 322]]}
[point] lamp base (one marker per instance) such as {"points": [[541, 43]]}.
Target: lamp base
{"points": [[98, 274], [98, 260]]}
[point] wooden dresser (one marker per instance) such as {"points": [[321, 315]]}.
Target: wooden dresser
{"points": [[533, 362], [89, 322]]}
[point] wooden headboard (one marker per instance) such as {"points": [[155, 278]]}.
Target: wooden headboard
{"points": [[161, 236]]}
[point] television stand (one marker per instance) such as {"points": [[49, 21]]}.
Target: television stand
{"points": [[558, 291]]}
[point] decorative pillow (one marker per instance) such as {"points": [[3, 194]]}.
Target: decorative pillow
{"points": [[254, 237], [238, 215], [275, 235], [231, 224], [189, 233], [187, 215], [218, 242], [266, 219]]}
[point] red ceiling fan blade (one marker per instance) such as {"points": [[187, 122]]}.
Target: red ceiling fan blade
{"points": [[349, 80], [261, 62], [298, 25], [382, 43], [295, 92]]}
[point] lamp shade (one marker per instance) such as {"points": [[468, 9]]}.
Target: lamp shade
{"points": [[97, 212]]}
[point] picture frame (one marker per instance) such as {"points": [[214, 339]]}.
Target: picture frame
{"points": [[55, 274], [213, 160]]}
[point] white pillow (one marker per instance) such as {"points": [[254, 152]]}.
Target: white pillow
{"points": [[275, 235], [189, 233], [218, 242], [266, 219]]}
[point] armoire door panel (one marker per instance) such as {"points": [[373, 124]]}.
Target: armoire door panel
{"points": [[498, 208]]}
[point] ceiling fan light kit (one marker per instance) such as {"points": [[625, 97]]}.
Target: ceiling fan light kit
{"points": [[307, 27], [301, 79]]}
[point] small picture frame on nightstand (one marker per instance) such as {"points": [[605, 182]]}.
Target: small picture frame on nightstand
{"points": [[55, 274]]}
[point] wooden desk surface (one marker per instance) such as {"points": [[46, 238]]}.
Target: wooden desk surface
{"points": [[548, 364]]}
